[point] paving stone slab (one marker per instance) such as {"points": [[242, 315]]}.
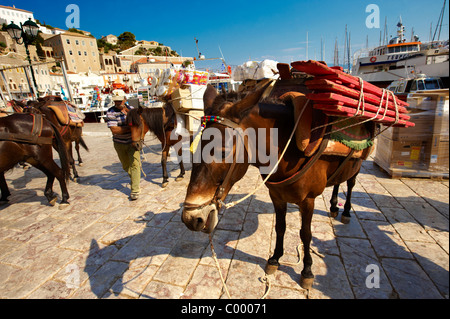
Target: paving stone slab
{"points": [[409, 280]]}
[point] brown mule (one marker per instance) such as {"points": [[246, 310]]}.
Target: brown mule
{"points": [[290, 183]]}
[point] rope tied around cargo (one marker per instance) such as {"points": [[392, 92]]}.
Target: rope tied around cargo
{"points": [[360, 111], [397, 113], [188, 97]]}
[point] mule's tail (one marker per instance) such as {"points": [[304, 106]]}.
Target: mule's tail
{"points": [[62, 151], [83, 144]]}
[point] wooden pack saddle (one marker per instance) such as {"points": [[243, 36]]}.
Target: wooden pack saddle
{"points": [[308, 138]]}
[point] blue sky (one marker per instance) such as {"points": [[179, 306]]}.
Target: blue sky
{"points": [[244, 30]]}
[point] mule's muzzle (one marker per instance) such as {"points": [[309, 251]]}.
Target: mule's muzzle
{"points": [[201, 219], [137, 145]]}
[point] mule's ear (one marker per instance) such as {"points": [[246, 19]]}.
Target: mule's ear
{"points": [[209, 96]]}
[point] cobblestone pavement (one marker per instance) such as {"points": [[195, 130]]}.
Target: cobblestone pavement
{"points": [[105, 246]]}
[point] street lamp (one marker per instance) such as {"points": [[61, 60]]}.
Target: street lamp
{"points": [[25, 34]]}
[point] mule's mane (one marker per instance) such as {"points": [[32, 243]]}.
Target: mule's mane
{"points": [[218, 106], [220, 101]]}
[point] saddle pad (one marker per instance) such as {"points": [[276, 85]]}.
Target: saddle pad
{"points": [[76, 118], [352, 134], [335, 148]]}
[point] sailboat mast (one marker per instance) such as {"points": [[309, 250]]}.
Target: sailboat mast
{"points": [[306, 45], [336, 53]]}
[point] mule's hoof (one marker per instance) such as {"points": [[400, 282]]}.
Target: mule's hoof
{"points": [[271, 267], [164, 184], [345, 219], [80, 164], [179, 178], [76, 179], [334, 212], [306, 283], [63, 205], [53, 201]]}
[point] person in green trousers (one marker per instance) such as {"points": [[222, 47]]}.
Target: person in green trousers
{"points": [[128, 155]]}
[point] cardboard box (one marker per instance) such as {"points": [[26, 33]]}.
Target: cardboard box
{"points": [[181, 101], [192, 120], [188, 97], [423, 150], [392, 154]]}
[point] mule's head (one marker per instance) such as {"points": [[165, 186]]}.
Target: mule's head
{"points": [[137, 127], [213, 176]]}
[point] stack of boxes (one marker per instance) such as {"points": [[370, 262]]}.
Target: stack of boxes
{"points": [[423, 150], [187, 102]]}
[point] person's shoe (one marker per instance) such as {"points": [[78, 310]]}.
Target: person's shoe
{"points": [[134, 196]]}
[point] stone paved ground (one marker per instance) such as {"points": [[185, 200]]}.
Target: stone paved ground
{"points": [[104, 246]]}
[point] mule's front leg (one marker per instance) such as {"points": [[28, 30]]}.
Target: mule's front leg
{"points": [[182, 171], [307, 210], [280, 228], [165, 181]]}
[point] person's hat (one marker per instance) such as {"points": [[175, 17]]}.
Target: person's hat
{"points": [[118, 98]]}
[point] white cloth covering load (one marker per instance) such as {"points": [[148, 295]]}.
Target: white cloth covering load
{"points": [[254, 70]]}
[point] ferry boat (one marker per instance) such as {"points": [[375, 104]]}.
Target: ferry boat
{"points": [[402, 59]]}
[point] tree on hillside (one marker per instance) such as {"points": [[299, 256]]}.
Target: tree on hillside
{"points": [[126, 40]]}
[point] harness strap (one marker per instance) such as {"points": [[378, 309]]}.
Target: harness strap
{"points": [[25, 138], [33, 138], [341, 166], [294, 178]]}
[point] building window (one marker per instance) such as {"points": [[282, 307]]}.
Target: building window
{"points": [[68, 41], [76, 42], [79, 52], [82, 42], [85, 53], [70, 52]]}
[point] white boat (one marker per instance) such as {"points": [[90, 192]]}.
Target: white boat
{"points": [[420, 83], [401, 59]]}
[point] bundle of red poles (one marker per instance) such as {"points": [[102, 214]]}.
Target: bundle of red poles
{"points": [[339, 94]]}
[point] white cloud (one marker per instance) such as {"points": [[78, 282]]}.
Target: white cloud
{"points": [[292, 49]]}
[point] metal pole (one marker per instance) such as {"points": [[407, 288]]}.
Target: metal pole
{"points": [[69, 91], [30, 83], [36, 92], [6, 84], [3, 97]]}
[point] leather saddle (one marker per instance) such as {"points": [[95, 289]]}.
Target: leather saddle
{"points": [[66, 114]]}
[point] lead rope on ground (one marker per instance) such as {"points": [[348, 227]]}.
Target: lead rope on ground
{"points": [[214, 255], [218, 266]]}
